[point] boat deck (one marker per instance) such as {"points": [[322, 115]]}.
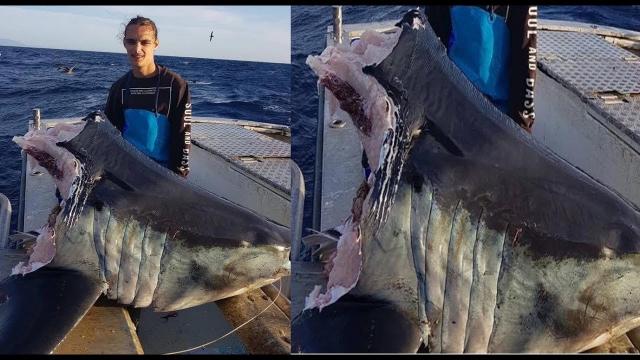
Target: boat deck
{"points": [[604, 75], [588, 101], [258, 154]]}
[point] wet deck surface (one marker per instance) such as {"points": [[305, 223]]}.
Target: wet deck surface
{"points": [[103, 330]]}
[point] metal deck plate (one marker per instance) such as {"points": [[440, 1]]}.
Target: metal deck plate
{"points": [[577, 46], [592, 77], [259, 154], [625, 116], [591, 66]]}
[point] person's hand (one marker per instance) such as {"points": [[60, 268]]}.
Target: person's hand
{"points": [[183, 171], [97, 115], [409, 16]]}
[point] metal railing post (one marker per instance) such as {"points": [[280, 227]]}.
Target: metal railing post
{"points": [[317, 175], [297, 210], [317, 178], [34, 124], [5, 220], [337, 24]]}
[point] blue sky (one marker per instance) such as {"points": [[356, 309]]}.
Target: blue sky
{"points": [[250, 33]]}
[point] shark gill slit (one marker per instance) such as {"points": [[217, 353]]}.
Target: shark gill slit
{"points": [[426, 255], [504, 241], [474, 275], [103, 266], [133, 247], [151, 254], [446, 275], [419, 230], [113, 239], [435, 268], [99, 238], [459, 279], [143, 260], [117, 282], [157, 263]]}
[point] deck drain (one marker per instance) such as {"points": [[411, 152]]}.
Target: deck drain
{"points": [[337, 123]]}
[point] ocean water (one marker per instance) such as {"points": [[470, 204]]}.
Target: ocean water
{"points": [[308, 27], [29, 79]]}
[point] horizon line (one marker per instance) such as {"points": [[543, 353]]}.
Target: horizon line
{"points": [[110, 52]]}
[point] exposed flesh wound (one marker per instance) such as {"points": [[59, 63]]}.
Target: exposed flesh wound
{"points": [[42, 146], [367, 99], [44, 250], [41, 254], [350, 101], [366, 102], [46, 161], [344, 270], [359, 200]]}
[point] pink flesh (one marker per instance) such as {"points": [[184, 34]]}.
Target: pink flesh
{"points": [[344, 271], [350, 101], [42, 253], [343, 64], [365, 101], [64, 169], [59, 162]]}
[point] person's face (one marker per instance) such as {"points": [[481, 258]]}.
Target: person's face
{"points": [[140, 43]]}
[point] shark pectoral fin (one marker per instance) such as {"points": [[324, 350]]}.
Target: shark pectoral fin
{"points": [[319, 239], [325, 243], [354, 325], [39, 309]]}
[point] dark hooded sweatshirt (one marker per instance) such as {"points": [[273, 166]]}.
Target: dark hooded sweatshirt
{"points": [[519, 67], [154, 114]]}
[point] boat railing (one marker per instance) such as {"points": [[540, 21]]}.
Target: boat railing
{"points": [[5, 220], [297, 210]]}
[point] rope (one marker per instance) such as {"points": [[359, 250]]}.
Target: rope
{"points": [[232, 331]]}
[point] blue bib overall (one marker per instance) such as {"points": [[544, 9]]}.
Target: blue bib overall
{"points": [[148, 131], [479, 46]]}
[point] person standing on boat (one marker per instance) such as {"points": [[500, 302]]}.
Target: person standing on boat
{"points": [[496, 48], [150, 104]]}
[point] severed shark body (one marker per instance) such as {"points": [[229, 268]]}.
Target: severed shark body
{"points": [[131, 229], [469, 235]]}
